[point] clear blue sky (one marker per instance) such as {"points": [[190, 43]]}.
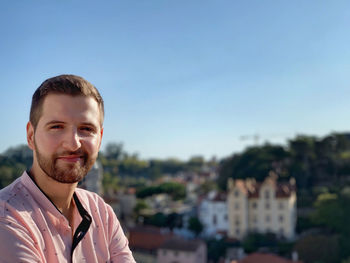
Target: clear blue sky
{"points": [[184, 77]]}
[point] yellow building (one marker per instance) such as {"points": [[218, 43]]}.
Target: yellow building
{"points": [[267, 207]]}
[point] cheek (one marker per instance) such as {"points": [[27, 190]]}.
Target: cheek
{"points": [[46, 143], [92, 145]]}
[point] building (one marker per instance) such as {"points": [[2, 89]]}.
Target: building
{"points": [[267, 207], [144, 241], [128, 202], [181, 250], [265, 258], [213, 214], [93, 180]]}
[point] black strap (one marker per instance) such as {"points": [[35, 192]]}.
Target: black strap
{"points": [[83, 226]]}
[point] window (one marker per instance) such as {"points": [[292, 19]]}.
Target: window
{"points": [[267, 205], [267, 194], [236, 193], [236, 206], [254, 205], [267, 218], [281, 218], [225, 217], [237, 232], [281, 205], [237, 220], [215, 220]]}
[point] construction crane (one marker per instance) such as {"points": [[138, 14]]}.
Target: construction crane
{"points": [[255, 137]]}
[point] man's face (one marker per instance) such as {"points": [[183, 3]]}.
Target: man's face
{"points": [[67, 138]]}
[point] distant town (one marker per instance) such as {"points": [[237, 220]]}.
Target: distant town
{"points": [[269, 203]]}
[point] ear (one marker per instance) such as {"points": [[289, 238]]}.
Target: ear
{"points": [[30, 135], [101, 135]]}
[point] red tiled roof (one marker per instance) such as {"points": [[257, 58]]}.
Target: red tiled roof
{"points": [[148, 238], [284, 190], [265, 258], [182, 244], [131, 191], [220, 197], [252, 188]]}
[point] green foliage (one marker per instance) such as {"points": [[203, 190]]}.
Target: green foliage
{"points": [[206, 187], [114, 151], [140, 205], [311, 161], [195, 225], [254, 241], [174, 220], [216, 249], [332, 211], [254, 162], [13, 162], [161, 220], [195, 163], [110, 183], [158, 219], [304, 223], [318, 248], [119, 163], [347, 260], [176, 190], [132, 166]]}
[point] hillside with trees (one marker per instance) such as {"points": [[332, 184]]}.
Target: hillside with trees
{"points": [[321, 167]]}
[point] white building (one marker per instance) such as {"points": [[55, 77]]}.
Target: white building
{"points": [[213, 214], [267, 207], [184, 251], [93, 180]]}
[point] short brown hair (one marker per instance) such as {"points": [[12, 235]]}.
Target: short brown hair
{"points": [[63, 84]]}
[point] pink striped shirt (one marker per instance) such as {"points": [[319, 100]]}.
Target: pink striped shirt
{"points": [[32, 229]]}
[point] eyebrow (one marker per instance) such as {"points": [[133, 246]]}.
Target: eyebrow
{"points": [[54, 122], [62, 122]]}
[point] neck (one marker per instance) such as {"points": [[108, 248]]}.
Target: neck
{"points": [[59, 193]]}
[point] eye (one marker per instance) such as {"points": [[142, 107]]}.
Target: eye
{"points": [[87, 129], [56, 126]]}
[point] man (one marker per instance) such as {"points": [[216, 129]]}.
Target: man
{"points": [[44, 217]]}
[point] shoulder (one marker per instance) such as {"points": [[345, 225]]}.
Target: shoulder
{"points": [[92, 201], [87, 196], [9, 196]]}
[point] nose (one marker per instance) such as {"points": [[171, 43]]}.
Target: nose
{"points": [[72, 140]]}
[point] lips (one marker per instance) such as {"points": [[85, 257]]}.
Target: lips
{"points": [[70, 158]]}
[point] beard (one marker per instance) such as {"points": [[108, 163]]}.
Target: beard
{"points": [[67, 173]]}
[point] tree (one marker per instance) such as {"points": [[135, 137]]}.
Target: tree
{"points": [[255, 162], [176, 190], [195, 225], [318, 248], [333, 211], [254, 241], [216, 249], [174, 220], [113, 151], [158, 219]]}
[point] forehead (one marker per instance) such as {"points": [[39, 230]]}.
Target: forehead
{"points": [[68, 108]]}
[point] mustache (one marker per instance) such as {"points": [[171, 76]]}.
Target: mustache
{"points": [[79, 152]]}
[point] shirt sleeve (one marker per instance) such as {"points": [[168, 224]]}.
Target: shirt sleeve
{"points": [[119, 245], [16, 244]]}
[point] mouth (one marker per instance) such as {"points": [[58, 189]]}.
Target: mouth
{"points": [[70, 158]]}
